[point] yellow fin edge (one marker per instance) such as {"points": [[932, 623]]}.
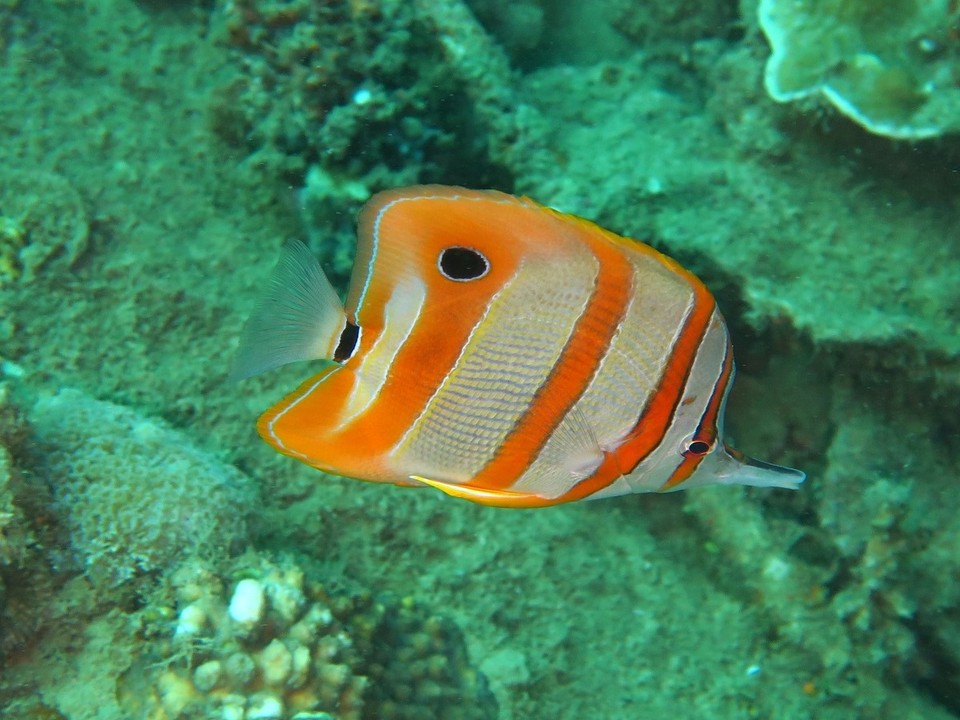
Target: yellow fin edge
{"points": [[495, 498]]}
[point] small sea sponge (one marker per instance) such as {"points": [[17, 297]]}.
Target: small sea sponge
{"points": [[135, 495], [892, 66]]}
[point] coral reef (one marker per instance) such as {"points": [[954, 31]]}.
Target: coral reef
{"points": [[191, 130], [861, 277], [345, 98], [882, 505], [679, 23], [517, 26], [42, 221], [134, 494], [273, 646], [356, 87], [542, 33], [892, 67], [15, 534], [321, 202], [25, 574], [478, 65], [860, 586]]}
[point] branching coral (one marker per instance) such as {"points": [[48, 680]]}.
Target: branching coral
{"points": [[273, 645]]}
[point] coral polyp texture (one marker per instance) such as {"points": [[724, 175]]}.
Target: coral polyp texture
{"points": [[24, 573], [893, 67], [135, 495], [273, 645]]}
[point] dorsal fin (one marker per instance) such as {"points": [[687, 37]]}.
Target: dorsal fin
{"points": [[299, 318]]}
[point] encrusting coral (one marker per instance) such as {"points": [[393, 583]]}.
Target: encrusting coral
{"points": [[893, 67], [135, 494]]}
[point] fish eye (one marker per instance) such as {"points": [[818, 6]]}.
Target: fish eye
{"points": [[462, 264], [698, 447], [349, 337]]}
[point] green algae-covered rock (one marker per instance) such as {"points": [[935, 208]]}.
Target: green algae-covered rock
{"points": [[890, 65]]}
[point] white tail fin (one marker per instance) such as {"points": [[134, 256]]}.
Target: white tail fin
{"points": [[300, 317]]}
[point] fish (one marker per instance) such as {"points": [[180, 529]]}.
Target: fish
{"points": [[501, 352]]}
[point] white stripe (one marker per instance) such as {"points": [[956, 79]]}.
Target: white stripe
{"points": [[361, 403], [609, 419], [659, 465], [590, 428], [415, 425], [374, 365]]}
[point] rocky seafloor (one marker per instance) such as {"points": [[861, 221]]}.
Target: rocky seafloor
{"points": [[158, 561]]}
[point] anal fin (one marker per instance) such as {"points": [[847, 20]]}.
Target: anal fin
{"points": [[485, 496]]}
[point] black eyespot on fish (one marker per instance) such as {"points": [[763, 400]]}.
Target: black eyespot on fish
{"points": [[462, 264], [698, 447], [349, 337]]}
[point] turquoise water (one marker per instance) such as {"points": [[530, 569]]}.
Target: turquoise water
{"points": [[158, 560]]}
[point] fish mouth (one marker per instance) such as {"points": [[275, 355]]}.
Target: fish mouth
{"points": [[750, 471]]}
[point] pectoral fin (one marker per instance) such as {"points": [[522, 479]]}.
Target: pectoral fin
{"points": [[299, 318]]}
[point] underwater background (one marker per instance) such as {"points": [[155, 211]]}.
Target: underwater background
{"points": [[159, 561]]}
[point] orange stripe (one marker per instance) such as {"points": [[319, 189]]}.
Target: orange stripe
{"points": [[420, 366], [653, 423], [571, 375], [707, 429]]}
